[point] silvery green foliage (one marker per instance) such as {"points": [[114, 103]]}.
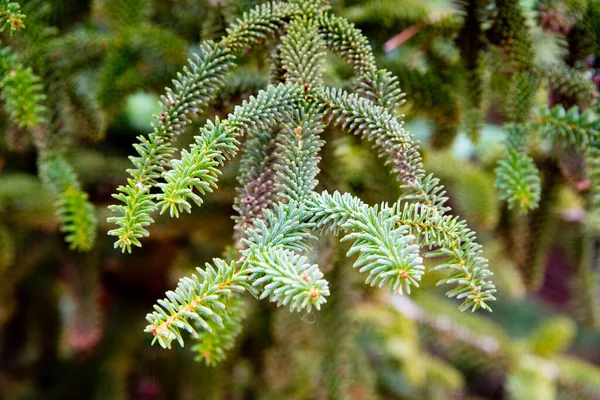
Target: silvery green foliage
{"points": [[280, 212]]}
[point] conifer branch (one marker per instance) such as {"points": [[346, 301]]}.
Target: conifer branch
{"points": [[467, 267], [212, 345], [197, 168], [521, 96], [348, 42], [510, 32], [74, 212], [342, 38], [360, 116], [11, 17], [272, 256], [216, 143], [202, 299], [302, 53], [382, 88], [385, 249], [76, 50], [580, 129], [286, 278], [280, 163], [21, 90], [260, 158], [517, 177], [258, 24], [193, 90], [567, 81], [431, 228], [299, 154], [78, 219]]}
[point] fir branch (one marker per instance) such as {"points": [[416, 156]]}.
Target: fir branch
{"points": [[193, 91], [360, 116], [260, 158], [540, 230], [216, 143], [203, 299], [197, 168], [213, 345], [431, 228], [74, 212], [286, 278], [299, 148], [342, 38], [284, 226], [521, 96], [273, 260], [517, 177], [461, 255], [255, 26], [135, 214], [518, 181], [11, 17], [568, 127], [470, 42], [282, 164], [567, 81], [386, 251], [382, 88], [21, 91], [468, 270], [303, 53], [78, 219], [511, 33], [75, 50], [90, 119], [431, 93]]}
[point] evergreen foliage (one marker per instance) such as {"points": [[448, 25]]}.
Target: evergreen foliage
{"points": [[11, 17], [21, 91], [73, 211], [518, 178], [569, 127], [272, 249], [279, 110]]}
